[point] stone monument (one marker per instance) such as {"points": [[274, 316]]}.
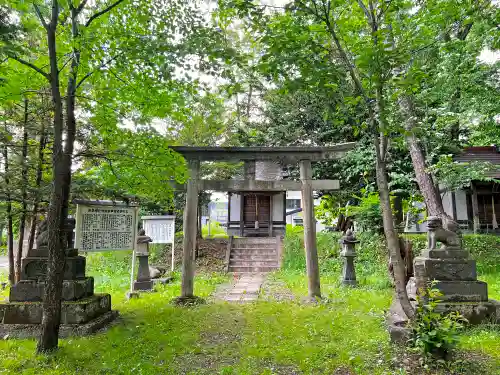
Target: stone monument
{"points": [[82, 311], [349, 253], [454, 273], [143, 281]]}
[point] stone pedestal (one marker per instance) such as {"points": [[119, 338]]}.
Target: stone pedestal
{"points": [[454, 275], [82, 311]]}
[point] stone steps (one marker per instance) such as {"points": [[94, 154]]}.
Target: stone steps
{"points": [[254, 263], [254, 254], [261, 254], [238, 269], [257, 257]]}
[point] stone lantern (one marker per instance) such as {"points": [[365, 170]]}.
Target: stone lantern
{"points": [[349, 242], [143, 281]]}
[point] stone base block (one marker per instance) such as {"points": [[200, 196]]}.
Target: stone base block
{"points": [[446, 254], [445, 269], [26, 331], [143, 285], [32, 290], [35, 268], [72, 312], [474, 312], [463, 291]]}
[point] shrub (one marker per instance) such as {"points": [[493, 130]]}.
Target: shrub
{"points": [[111, 270], [216, 230], [371, 261], [434, 335]]}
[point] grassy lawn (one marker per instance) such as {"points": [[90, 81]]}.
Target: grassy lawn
{"points": [[344, 334]]}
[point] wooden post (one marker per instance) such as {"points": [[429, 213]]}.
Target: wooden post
{"points": [[454, 205], [190, 227], [242, 216], [309, 230], [270, 228], [228, 253], [475, 208]]}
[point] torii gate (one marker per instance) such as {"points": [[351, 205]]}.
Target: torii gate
{"points": [[287, 155]]}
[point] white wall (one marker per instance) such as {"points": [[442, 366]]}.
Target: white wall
{"points": [[447, 203], [294, 195], [461, 202], [234, 201], [278, 208]]}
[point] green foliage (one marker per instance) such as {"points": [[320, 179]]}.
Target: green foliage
{"points": [[371, 257], [456, 176], [111, 270], [248, 339], [367, 213], [216, 230], [434, 335]]}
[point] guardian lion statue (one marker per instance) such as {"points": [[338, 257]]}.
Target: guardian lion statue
{"points": [[448, 237]]}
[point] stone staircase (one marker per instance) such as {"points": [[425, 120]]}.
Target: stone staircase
{"points": [[253, 254]]}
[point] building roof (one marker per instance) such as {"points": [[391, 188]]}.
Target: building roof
{"points": [[481, 154]]}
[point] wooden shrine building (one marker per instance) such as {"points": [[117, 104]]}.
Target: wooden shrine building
{"points": [[257, 202]]}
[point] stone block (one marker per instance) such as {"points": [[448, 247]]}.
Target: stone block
{"points": [[32, 290], [82, 311], [35, 268], [445, 269], [72, 312], [446, 254], [25, 331], [21, 313], [474, 312], [143, 285], [463, 291]]}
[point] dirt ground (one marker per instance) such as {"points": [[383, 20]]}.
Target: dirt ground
{"points": [[210, 258]]}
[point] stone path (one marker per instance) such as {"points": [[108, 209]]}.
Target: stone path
{"points": [[246, 288]]}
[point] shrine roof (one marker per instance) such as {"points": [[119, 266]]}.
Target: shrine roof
{"points": [[489, 154], [286, 154]]}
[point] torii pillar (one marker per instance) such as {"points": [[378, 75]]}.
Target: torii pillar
{"points": [[313, 280], [189, 227]]}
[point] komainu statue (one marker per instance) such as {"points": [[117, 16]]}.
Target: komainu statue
{"points": [[449, 237], [42, 235]]}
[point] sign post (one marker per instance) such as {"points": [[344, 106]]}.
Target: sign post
{"points": [[161, 229], [106, 226]]}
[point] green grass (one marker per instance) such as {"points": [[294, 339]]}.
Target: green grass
{"points": [[216, 231], [344, 334]]}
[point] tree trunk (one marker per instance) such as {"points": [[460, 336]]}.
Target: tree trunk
{"points": [[39, 173], [8, 209], [56, 261], [391, 235], [24, 184], [10, 243], [2, 227], [424, 179], [380, 141]]}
